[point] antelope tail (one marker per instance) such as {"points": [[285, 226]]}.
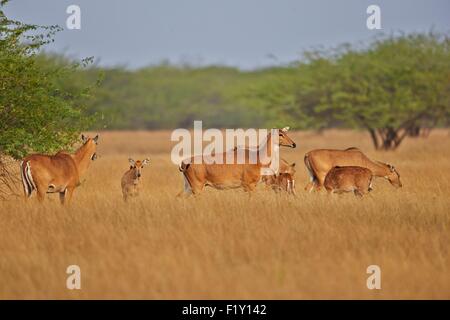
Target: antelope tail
{"points": [[312, 175], [27, 178], [187, 185]]}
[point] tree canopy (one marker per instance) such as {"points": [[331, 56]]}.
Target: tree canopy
{"points": [[390, 88], [36, 112]]}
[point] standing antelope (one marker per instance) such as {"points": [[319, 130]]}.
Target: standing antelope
{"points": [[58, 173], [319, 162], [284, 180], [349, 179], [229, 176], [130, 179]]}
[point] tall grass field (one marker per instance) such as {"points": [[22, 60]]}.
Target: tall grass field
{"points": [[227, 245]]}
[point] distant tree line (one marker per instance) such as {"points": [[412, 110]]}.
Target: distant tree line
{"points": [[392, 87]]}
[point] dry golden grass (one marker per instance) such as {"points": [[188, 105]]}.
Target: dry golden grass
{"points": [[223, 245]]}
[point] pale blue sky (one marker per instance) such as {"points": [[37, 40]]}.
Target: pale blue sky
{"points": [[243, 33]]}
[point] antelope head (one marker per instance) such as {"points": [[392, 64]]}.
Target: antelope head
{"points": [[137, 166], [91, 145], [291, 169], [393, 176], [284, 139]]}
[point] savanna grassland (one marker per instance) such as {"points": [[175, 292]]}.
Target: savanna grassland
{"points": [[225, 245]]}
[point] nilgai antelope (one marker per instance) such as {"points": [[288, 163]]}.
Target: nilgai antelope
{"points": [[349, 179], [130, 179], [284, 180], [319, 162], [229, 176], [60, 173]]}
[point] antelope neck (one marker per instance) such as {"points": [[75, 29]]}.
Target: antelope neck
{"points": [[266, 145], [82, 159], [378, 169]]}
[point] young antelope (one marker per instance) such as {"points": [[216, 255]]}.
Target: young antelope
{"points": [[349, 179], [130, 179], [284, 181]]}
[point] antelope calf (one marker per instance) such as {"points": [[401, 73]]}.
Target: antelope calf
{"points": [[284, 181], [319, 162], [349, 179], [130, 179]]}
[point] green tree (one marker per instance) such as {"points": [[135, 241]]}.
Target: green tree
{"points": [[396, 85], [36, 114], [390, 88]]}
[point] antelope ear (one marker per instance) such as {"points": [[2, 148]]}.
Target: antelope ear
{"points": [[390, 166], [146, 161], [132, 162], [83, 138], [96, 139], [285, 129]]}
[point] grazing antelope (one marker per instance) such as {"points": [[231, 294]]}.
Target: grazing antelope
{"points": [[284, 180], [319, 162], [349, 179], [60, 173], [130, 179], [229, 176]]}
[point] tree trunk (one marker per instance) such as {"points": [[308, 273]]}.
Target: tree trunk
{"points": [[373, 135], [419, 132], [414, 131], [387, 138], [8, 179]]}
